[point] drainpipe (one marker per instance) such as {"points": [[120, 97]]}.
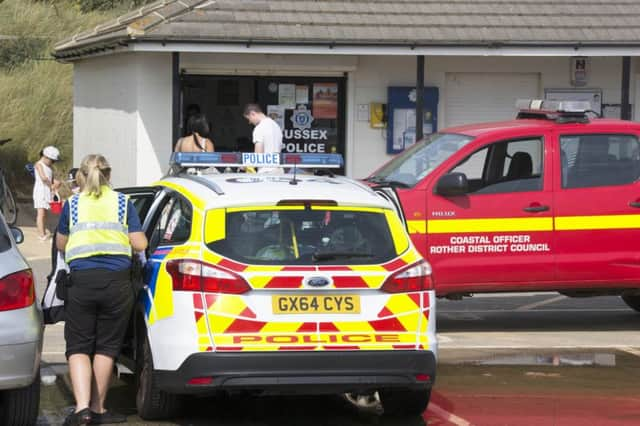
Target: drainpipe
{"points": [[625, 106], [175, 98], [420, 98]]}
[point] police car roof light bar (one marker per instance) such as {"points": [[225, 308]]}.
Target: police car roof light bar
{"points": [[251, 159]]}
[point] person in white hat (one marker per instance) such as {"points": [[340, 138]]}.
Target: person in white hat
{"points": [[44, 187]]}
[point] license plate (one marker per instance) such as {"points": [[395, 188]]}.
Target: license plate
{"points": [[316, 304]]}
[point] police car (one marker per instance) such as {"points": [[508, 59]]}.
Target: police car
{"points": [[549, 201], [278, 283]]}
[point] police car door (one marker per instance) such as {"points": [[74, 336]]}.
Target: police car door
{"points": [[142, 199], [500, 232]]}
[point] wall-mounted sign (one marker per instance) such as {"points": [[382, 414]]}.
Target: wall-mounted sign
{"points": [[401, 113], [579, 71]]}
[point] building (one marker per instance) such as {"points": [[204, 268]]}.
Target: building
{"points": [[333, 71]]}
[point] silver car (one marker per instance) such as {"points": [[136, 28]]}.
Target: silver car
{"points": [[21, 330]]}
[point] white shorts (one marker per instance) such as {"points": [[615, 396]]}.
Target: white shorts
{"points": [[41, 198]]}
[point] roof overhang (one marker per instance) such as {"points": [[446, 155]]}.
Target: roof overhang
{"points": [[256, 47]]}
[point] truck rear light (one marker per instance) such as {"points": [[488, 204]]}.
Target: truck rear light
{"points": [[200, 381], [194, 275], [17, 291], [423, 377], [416, 277]]}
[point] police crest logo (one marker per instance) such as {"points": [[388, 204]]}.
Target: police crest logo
{"points": [[302, 118]]}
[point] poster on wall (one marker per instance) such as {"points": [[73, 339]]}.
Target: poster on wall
{"points": [[302, 94], [325, 100], [287, 95], [404, 128], [276, 113]]}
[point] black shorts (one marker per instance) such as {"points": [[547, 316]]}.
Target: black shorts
{"points": [[97, 311]]}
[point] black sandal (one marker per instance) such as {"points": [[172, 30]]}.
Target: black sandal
{"points": [[107, 417], [82, 417]]}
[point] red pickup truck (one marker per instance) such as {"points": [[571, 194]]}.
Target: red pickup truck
{"points": [[549, 201]]}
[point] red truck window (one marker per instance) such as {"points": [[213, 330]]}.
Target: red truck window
{"points": [[509, 166], [599, 160]]}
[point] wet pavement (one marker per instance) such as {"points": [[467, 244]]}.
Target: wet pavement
{"points": [[488, 388]]}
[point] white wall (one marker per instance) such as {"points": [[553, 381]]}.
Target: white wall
{"points": [[122, 109], [155, 117], [104, 113]]}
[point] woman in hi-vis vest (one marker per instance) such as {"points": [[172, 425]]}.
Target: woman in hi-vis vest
{"points": [[98, 230]]}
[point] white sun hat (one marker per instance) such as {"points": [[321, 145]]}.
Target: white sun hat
{"points": [[51, 152]]}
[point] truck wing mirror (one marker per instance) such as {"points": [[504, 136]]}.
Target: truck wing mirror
{"points": [[452, 184]]}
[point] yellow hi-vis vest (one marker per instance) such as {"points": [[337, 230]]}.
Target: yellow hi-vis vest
{"points": [[98, 226]]}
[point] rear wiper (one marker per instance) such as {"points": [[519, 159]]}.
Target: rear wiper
{"points": [[328, 255]]}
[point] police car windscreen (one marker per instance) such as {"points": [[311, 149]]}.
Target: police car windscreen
{"points": [[306, 237], [411, 166]]}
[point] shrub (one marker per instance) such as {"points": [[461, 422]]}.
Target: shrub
{"points": [[91, 5], [15, 52]]}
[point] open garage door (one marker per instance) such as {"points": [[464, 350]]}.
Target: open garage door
{"points": [[478, 97]]}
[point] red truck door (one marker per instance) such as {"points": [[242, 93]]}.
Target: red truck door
{"points": [[597, 203], [499, 235]]}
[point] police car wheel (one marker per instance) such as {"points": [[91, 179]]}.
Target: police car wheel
{"points": [[633, 301], [20, 406], [397, 402], [151, 402]]}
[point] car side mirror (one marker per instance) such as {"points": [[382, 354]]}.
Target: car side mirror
{"points": [[18, 235], [452, 184]]}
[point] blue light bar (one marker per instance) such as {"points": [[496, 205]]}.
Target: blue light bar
{"points": [[313, 160], [251, 159]]}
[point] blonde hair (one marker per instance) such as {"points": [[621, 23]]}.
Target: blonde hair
{"points": [[96, 172], [80, 180]]}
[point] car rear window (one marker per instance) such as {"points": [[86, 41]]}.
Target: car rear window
{"points": [[316, 236]]}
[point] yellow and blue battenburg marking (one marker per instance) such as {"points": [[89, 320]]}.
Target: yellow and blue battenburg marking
{"points": [[151, 279]]}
